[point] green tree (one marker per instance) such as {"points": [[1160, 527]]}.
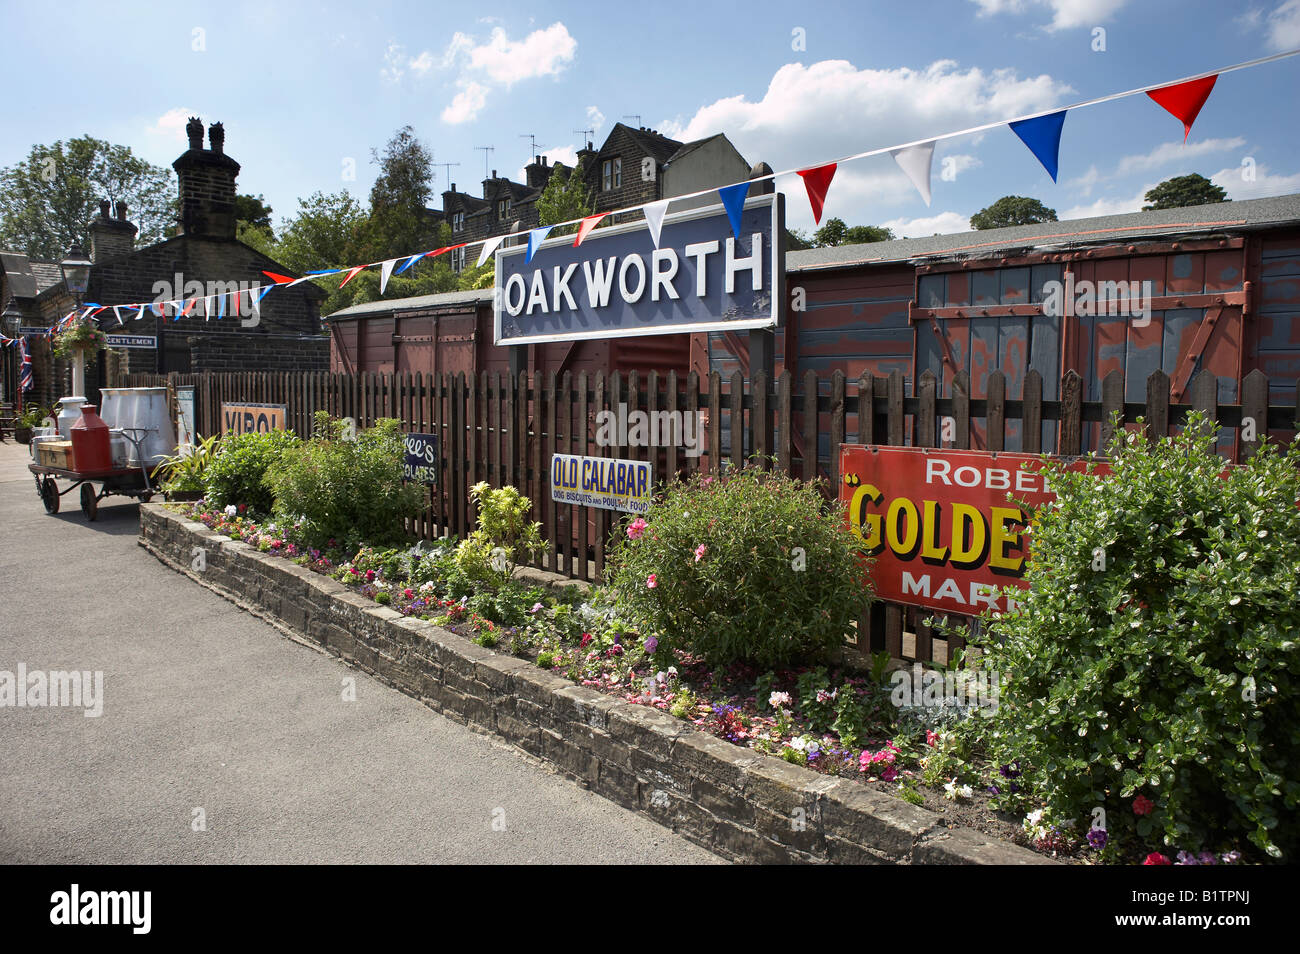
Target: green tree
{"points": [[253, 210], [835, 232], [328, 231], [1012, 210], [566, 197], [796, 240], [48, 199], [399, 197], [1182, 191]]}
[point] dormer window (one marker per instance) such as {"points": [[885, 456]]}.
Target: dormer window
{"points": [[458, 222], [611, 174], [503, 208]]}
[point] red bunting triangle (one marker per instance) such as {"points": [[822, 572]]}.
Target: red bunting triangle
{"points": [[817, 181], [1184, 100], [586, 226], [352, 273], [278, 279]]}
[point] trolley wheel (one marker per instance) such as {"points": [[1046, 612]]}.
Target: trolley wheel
{"points": [[50, 495], [89, 501]]}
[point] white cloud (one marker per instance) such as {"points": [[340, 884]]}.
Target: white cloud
{"points": [[170, 126], [1265, 183], [831, 108], [502, 62], [394, 67], [554, 154], [1170, 152], [1109, 206], [466, 104], [596, 118], [1066, 14], [423, 63], [1283, 26], [945, 223], [1085, 182]]}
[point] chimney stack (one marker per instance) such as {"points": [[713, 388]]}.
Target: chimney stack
{"points": [[207, 184], [110, 237]]}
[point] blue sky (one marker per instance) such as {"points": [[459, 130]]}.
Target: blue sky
{"points": [[304, 88]]}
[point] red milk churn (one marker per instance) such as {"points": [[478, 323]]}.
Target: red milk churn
{"points": [[92, 448]]}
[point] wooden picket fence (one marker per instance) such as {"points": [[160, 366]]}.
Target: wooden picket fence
{"points": [[504, 430]]}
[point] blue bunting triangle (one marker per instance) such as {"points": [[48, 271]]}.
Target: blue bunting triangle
{"points": [[535, 238], [1042, 135], [733, 200]]}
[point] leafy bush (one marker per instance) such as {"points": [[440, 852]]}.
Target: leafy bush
{"points": [[490, 555], [235, 475], [1151, 665], [753, 566], [185, 473], [345, 489]]}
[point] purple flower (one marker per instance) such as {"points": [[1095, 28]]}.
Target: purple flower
{"points": [[1011, 771], [1097, 838], [651, 644]]}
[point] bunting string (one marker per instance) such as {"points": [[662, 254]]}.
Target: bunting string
{"points": [[1040, 132]]}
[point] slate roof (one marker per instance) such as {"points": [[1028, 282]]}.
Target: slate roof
{"points": [[419, 302], [1241, 215]]}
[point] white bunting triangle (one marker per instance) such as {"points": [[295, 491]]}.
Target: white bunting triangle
{"points": [[915, 162], [654, 218], [489, 247], [385, 273]]}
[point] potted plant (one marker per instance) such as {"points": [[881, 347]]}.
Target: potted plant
{"points": [[182, 474], [28, 421], [79, 337]]}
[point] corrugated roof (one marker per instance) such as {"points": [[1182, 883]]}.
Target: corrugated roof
{"points": [[1242, 215], [418, 303]]}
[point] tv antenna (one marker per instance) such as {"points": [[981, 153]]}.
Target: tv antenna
{"points": [[586, 133], [636, 116], [486, 150], [532, 143], [447, 166]]}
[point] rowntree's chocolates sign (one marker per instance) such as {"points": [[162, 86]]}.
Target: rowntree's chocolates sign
{"points": [[938, 523], [699, 277]]}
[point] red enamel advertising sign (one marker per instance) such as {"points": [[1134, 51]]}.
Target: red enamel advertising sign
{"points": [[939, 524]]}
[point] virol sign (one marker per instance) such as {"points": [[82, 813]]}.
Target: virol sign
{"points": [[939, 525], [701, 277]]}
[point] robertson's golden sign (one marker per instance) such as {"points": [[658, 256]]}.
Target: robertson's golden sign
{"points": [[938, 523]]}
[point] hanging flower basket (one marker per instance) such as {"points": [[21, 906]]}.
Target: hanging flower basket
{"points": [[80, 336]]}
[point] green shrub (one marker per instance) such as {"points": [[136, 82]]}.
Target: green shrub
{"points": [[779, 577], [489, 556], [185, 473], [346, 489], [236, 474], [1154, 654]]}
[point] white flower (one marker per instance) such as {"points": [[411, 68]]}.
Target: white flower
{"points": [[672, 671], [778, 699], [231, 510], [952, 791], [427, 587]]}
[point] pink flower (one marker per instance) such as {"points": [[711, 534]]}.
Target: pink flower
{"points": [[370, 576], [700, 551], [635, 529], [1142, 806], [931, 737], [409, 593], [651, 582], [586, 638], [1156, 858], [889, 774]]}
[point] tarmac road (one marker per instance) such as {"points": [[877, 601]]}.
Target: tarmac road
{"points": [[214, 720]]}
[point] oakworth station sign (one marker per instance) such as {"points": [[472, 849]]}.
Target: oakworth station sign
{"points": [[701, 277]]}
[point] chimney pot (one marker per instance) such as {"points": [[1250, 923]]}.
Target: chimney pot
{"points": [[103, 208], [194, 131], [121, 211], [494, 173], [217, 136]]}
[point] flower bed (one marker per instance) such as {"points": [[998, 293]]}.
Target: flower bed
{"points": [[836, 721]]}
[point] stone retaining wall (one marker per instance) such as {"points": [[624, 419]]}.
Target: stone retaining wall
{"points": [[741, 804]]}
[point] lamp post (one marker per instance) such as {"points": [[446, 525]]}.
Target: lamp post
{"points": [[76, 277], [10, 323]]}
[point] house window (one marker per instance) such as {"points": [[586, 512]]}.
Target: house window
{"points": [[503, 207], [457, 259], [458, 222], [611, 174]]}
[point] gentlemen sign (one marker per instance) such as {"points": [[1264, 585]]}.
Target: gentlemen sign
{"points": [[132, 341], [601, 482], [252, 418], [938, 523], [617, 283], [420, 458]]}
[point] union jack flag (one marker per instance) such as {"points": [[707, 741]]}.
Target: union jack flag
{"points": [[25, 380]]}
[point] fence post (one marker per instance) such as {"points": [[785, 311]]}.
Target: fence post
{"points": [[811, 422], [783, 422], [1157, 405], [1254, 407], [997, 415], [1112, 400], [1072, 414]]}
